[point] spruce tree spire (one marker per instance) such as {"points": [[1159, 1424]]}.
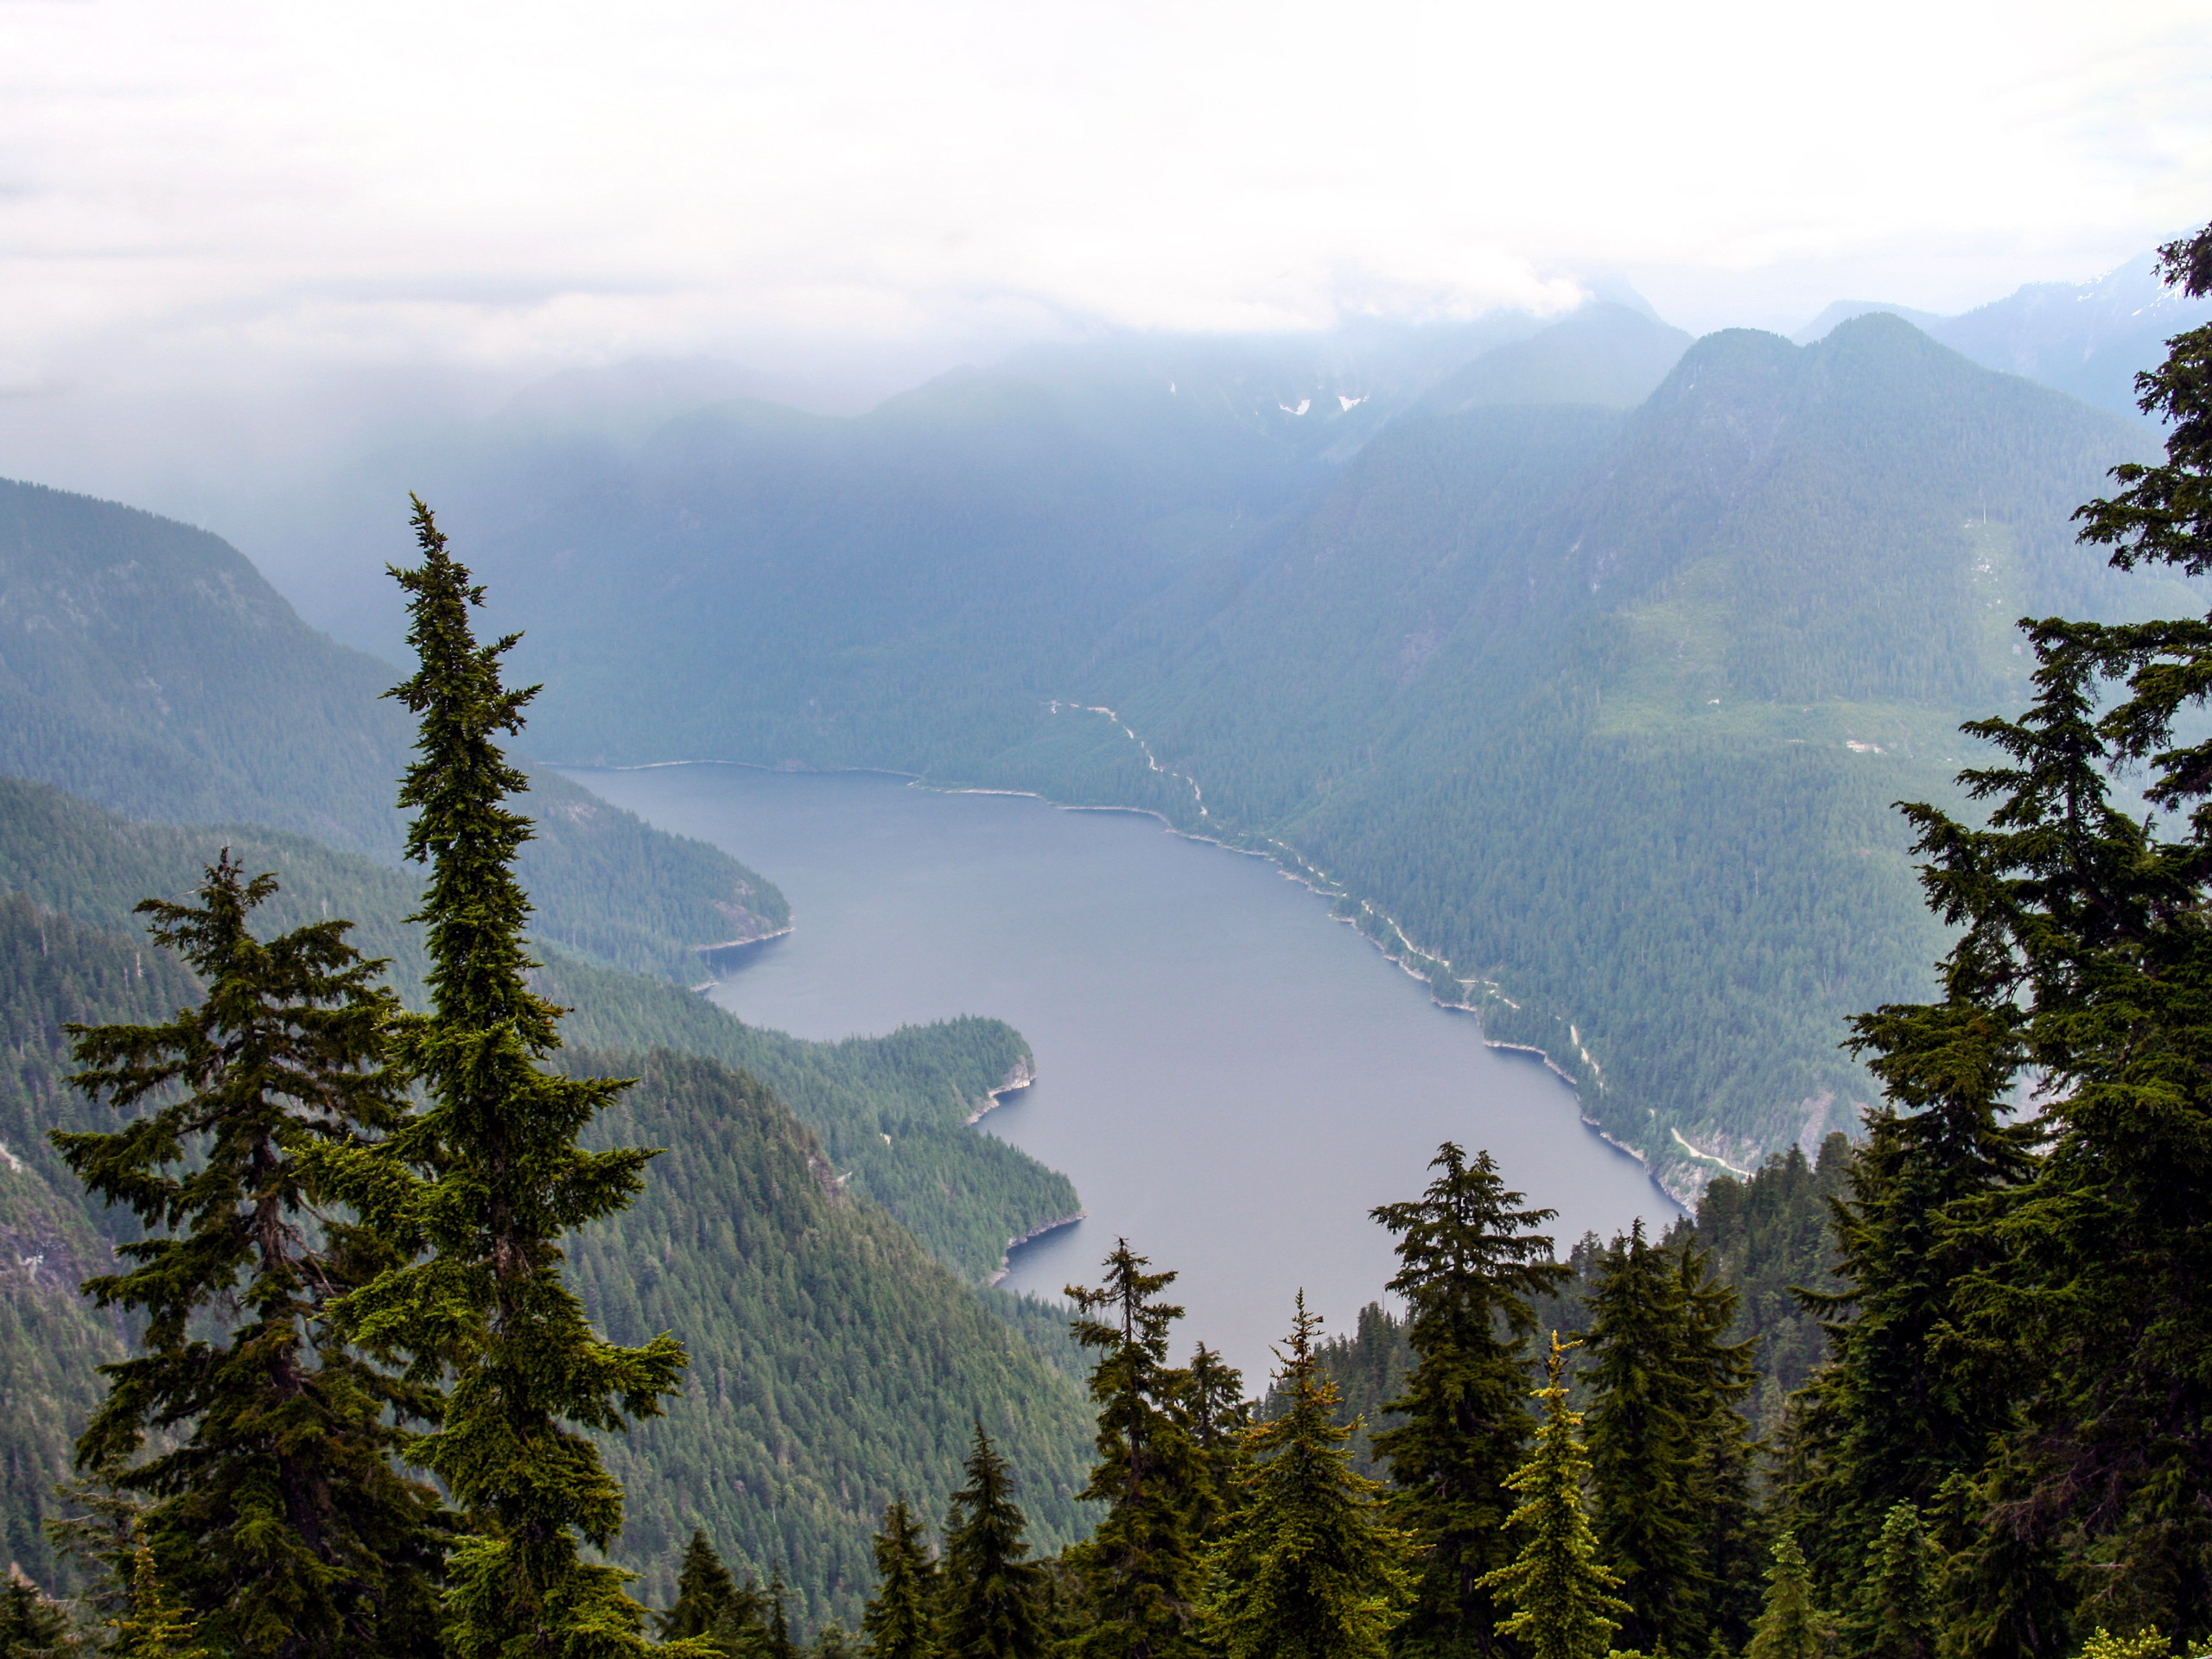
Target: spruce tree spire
{"points": [[1789, 1627], [1562, 1597], [900, 1622], [1210, 1407], [1644, 1428], [274, 1517], [992, 1592], [1470, 1261], [1309, 1568], [1141, 1565], [477, 1190]]}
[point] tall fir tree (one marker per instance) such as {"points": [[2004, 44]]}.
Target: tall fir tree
{"points": [[1907, 1403], [1210, 1407], [1140, 1565], [777, 1642], [1471, 1265], [993, 1593], [900, 1622], [1310, 1567], [476, 1190], [704, 1588], [1559, 1593], [31, 1627], [2083, 961], [1644, 1423], [1724, 1531], [274, 1515]]}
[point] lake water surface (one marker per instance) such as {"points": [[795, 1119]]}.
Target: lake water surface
{"points": [[1232, 1078]]}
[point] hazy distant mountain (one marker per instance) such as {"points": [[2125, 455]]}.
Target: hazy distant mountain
{"points": [[146, 666], [1844, 310], [2089, 339], [1605, 354], [1605, 709]]}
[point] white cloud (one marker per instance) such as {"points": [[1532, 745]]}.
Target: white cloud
{"points": [[198, 192]]}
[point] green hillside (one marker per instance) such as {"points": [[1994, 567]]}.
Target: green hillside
{"points": [[846, 1360], [147, 666], [1593, 716], [833, 1364], [891, 1111]]}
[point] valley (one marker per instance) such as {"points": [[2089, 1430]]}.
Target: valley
{"points": [[1229, 1077]]}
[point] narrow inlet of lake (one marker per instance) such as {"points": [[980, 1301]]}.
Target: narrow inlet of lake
{"points": [[1232, 1078]]}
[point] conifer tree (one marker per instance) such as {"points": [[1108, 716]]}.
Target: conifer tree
{"points": [[1644, 1423], [1560, 1594], [703, 1588], [1903, 1579], [1210, 1407], [1788, 1627], [1716, 1374], [31, 1627], [2083, 955], [1471, 1265], [709, 1604], [476, 1190], [156, 1626], [1141, 1565], [991, 1589], [778, 1643], [1905, 1406], [900, 1622], [275, 1517], [1310, 1569]]}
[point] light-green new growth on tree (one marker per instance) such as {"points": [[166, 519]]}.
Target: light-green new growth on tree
{"points": [[1789, 1628], [1561, 1595]]}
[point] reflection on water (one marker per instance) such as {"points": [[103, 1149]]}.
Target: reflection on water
{"points": [[1232, 1079]]}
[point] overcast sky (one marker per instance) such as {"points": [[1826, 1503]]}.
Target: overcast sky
{"points": [[506, 182]]}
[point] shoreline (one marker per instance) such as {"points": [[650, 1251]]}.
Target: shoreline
{"points": [[1294, 868], [757, 938], [1006, 1258], [1019, 1076]]}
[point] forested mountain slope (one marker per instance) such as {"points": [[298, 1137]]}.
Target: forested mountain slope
{"points": [[1595, 717], [147, 666], [1617, 742], [835, 1360]]}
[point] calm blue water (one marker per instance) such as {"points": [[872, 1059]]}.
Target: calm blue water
{"points": [[1232, 1078]]}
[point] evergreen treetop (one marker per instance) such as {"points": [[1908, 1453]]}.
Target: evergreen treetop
{"points": [[274, 1515], [1309, 1568], [475, 1190], [1561, 1595], [1210, 1407], [992, 1592], [1645, 1422], [1471, 1265], [1789, 1626], [900, 1622], [1140, 1565]]}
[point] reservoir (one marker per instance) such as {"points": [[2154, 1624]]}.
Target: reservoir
{"points": [[1231, 1078]]}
